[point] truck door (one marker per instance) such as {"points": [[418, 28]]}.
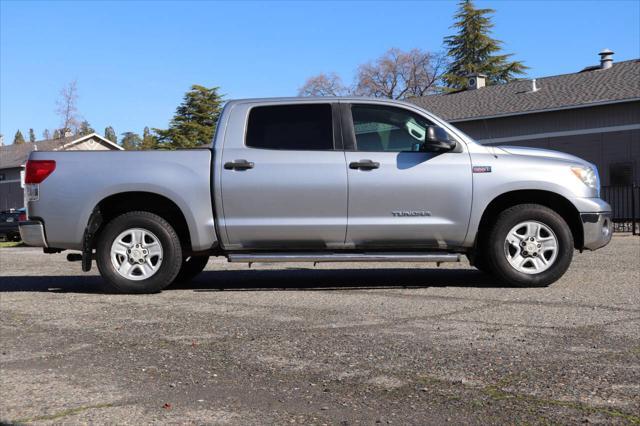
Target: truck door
{"points": [[400, 197], [284, 185]]}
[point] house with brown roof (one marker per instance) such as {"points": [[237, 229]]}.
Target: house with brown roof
{"points": [[593, 113], [13, 158]]}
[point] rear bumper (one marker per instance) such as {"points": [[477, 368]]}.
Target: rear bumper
{"points": [[597, 229], [32, 233]]}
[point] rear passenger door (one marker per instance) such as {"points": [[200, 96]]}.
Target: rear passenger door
{"points": [[285, 186]]}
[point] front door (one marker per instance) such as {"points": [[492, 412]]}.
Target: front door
{"points": [[400, 197], [285, 186]]}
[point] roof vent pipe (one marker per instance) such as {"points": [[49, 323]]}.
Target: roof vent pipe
{"points": [[606, 58], [534, 87]]}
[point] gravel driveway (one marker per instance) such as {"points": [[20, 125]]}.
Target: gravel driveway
{"points": [[399, 344]]}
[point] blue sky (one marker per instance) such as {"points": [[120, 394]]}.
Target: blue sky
{"points": [[133, 61]]}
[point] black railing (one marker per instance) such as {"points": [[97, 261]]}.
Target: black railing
{"points": [[625, 204]]}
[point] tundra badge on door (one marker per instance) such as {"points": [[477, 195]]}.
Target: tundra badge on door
{"points": [[410, 213]]}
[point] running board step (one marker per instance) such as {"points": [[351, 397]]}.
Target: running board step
{"points": [[343, 257]]}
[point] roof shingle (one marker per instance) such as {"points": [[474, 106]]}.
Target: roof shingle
{"points": [[618, 83]]}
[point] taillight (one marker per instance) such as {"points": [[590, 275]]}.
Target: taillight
{"points": [[38, 170], [22, 217]]}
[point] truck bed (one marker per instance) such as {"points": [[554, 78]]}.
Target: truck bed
{"points": [[84, 178]]}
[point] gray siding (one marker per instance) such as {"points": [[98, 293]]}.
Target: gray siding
{"points": [[554, 121]]}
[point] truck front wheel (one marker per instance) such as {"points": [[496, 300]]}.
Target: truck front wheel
{"points": [[191, 266], [529, 245], [138, 252]]}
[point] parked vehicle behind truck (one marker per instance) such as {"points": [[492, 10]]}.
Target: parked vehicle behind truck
{"points": [[317, 180], [9, 229]]}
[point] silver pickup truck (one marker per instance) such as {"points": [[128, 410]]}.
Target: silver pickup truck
{"points": [[317, 180]]}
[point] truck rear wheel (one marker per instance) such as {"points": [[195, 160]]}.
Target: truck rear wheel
{"points": [[529, 245], [138, 252]]}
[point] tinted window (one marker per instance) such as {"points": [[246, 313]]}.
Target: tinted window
{"points": [[381, 128], [291, 127]]}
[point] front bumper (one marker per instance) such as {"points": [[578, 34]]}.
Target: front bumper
{"points": [[597, 229], [32, 233]]}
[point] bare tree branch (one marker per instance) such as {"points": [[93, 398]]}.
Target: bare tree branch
{"points": [[67, 109], [323, 85], [400, 75]]}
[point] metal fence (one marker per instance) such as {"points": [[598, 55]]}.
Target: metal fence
{"points": [[625, 204]]}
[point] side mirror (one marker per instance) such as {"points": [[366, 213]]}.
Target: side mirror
{"points": [[437, 140]]}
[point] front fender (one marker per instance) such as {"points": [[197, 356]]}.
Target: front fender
{"points": [[515, 173]]}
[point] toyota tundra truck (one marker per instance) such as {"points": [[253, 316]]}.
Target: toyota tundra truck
{"points": [[317, 180]]}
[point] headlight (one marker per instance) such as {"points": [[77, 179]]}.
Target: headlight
{"points": [[588, 176]]}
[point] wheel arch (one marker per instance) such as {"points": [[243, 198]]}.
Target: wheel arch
{"points": [[552, 200], [116, 204]]}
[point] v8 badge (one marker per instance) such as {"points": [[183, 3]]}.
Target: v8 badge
{"points": [[481, 169]]}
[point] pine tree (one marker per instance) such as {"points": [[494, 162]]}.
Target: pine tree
{"points": [[32, 136], [110, 134], [194, 122], [131, 141], [18, 139], [57, 134], [148, 140], [85, 128], [472, 49], [46, 135]]}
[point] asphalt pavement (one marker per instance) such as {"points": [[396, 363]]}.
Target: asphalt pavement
{"points": [[332, 344]]}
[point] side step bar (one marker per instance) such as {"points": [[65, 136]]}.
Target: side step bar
{"points": [[343, 257]]}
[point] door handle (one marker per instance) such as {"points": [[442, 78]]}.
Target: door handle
{"points": [[239, 165], [364, 165]]}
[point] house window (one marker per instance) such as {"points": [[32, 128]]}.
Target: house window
{"points": [[621, 174], [2, 176]]}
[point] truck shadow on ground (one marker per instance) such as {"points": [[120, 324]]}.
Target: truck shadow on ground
{"points": [[276, 280]]}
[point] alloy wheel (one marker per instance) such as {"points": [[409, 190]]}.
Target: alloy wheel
{"points": [[531, 247], [136, 254]]}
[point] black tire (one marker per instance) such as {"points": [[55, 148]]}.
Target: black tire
{"points": [[191, 266], [171, 253], [494, 246], [481, 263]]}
